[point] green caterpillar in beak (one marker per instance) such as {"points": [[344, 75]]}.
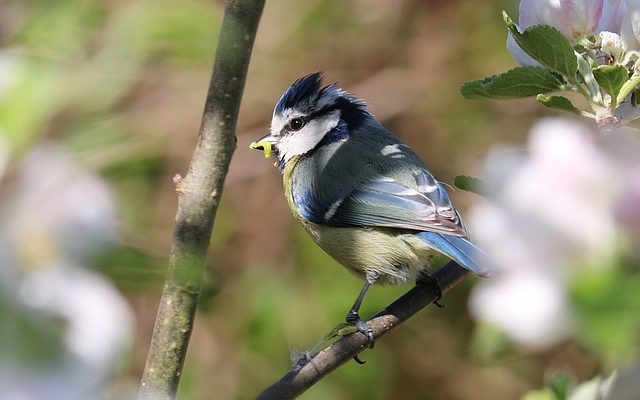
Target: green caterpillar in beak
{"points": [[263, 145]]}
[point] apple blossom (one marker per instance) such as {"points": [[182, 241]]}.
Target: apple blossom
{"points": [[574, 18], [551, 212], [617, 22], [65, 326]]}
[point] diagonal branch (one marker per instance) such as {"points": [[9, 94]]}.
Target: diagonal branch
{"points": [[302, 376], [199, 193]]}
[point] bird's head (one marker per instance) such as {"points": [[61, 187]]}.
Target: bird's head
{"points": [[309, 115]]}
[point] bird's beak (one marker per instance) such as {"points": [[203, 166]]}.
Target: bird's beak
{"points": [[265, 144]]}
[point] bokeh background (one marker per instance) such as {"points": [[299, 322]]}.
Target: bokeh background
{"points": [[118, 88]]}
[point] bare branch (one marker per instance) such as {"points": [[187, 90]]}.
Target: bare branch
{"points": [[302, 376], [199, 193]]}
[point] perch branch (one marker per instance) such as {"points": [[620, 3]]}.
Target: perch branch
{"points": [[307, 372], [199, 194]]}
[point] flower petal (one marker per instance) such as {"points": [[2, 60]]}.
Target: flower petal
{"points": [[630, 30], [613, 12], [581, 16]]}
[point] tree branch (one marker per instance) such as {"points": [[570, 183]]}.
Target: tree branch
{"points": [[307, 372], [198, 197]]}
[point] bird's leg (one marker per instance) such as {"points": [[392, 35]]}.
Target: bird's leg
{"points": [[426, 278], [353, 323], [353, 317]]}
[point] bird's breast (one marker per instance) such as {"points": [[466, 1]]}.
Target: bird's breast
{"points": [[287, 183]]}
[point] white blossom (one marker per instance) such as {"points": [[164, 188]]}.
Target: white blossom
{"points": [[551, 212], [66, 327], [574, 18], [617, 22]]}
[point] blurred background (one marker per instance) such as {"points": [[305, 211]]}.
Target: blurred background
{"points": [[107, 96]]}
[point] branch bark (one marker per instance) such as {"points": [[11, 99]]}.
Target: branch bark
{"points": [[199, 193], [302, 376]]}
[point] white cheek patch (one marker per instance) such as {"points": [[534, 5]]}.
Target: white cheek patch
{"points": [[277, 123], [306, 139]]}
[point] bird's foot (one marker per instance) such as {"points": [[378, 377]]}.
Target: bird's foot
{"points": [[428, 279], [351, 325], [361, 326], [354, 320]]}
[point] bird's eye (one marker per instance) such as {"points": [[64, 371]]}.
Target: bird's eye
{"points": [[296, 124]]}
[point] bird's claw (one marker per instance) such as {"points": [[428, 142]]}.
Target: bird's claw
{"points": [[361, 326], [430, 279], [358, 360]]}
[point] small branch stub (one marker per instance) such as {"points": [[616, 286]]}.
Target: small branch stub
{"points": [[177, 182]]}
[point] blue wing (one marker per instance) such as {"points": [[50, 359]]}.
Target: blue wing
{"points": [[385, 202], [459, 249]]}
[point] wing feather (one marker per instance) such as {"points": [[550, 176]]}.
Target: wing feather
{"points": [[385, 202]]}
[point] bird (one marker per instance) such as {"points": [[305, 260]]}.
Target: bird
{"points": [[363, 195]]}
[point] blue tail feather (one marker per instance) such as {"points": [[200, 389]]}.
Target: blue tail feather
{"points": [[460, 250]]}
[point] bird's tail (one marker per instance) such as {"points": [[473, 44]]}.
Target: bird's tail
{"points": [[460, 249]]}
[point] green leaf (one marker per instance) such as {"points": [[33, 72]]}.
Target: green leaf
{"points": [[594, 94], [605, 301], [561, 383], [611, 78], [470, 184], [475, 89], [559, 103], [515, 83], [628, 87], [547, 45]]}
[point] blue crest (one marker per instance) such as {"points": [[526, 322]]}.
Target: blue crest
{"points": [[307, 92], [301, 89]]}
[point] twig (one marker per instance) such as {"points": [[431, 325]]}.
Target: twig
{"points": [[199, 193], [302, 376]]}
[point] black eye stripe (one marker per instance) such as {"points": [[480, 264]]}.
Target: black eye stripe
{"points": [[351, 113], [305, 120], [323, 111]]}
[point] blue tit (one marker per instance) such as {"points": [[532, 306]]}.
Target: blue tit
{"points": [[362, 195]]}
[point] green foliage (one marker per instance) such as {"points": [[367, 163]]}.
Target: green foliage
{"points": [[558, 102], [543, 394], [515, 83], [575, 67], [35, 83], [133, 270], [40, 335], [470, 184], [547, 45], [606, 302], [611, 78], [488, 343], [561, 383], [589, 88], [622, 384], [628, 87]]}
